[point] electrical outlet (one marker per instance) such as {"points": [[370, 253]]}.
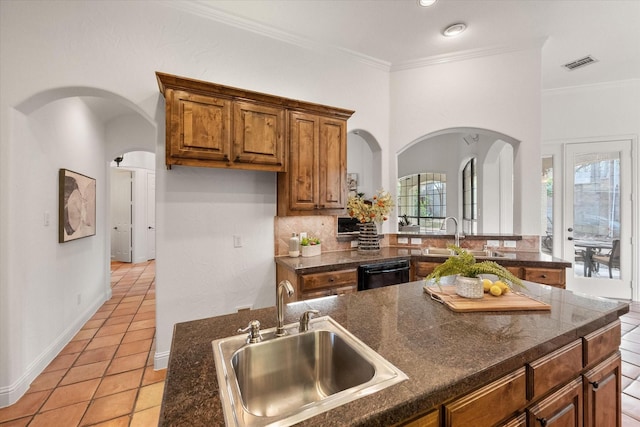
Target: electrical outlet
{"points": [[416, 241], [46, 218], [303, 235], [237, 241], [354, 243], [509, 243], [493, 243], [403, 240]]}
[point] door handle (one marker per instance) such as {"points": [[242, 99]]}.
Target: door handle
{"points": [[570, 229], [151, 228], [569, 238]]}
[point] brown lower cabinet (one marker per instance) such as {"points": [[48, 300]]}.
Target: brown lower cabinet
{"points": [[321, 284], [547, 276], [578, 385]]}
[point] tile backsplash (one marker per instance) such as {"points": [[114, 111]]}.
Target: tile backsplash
{"points": [[326, 229]]}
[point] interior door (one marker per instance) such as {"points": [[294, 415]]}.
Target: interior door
{"points": [[597, 212], [121, 215], [151, 216]]}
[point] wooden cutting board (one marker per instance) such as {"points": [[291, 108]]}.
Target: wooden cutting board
{"points": [[508, 302]]}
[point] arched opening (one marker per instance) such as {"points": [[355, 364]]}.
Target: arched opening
{"points": [[364, 162], [446, 153]]}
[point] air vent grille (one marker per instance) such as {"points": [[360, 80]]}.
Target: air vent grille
{"points": [[580, 62]]}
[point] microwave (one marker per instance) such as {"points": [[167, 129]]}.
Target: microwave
{"points": [[347, 225]]}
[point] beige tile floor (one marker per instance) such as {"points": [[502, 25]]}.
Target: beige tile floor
{"points": [[104, 376]]}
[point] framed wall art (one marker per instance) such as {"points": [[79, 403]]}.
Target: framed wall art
{"points": [[77, 206]]}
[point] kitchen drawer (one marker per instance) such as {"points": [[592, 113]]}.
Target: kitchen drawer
{"points": [[601, 343], [329, 291], [555, 368], [546, 276], [329, 279], [473, 409]]}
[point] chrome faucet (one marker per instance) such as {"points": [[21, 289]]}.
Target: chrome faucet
{"points": [[457, 233], [304, 320], [282, 286]]}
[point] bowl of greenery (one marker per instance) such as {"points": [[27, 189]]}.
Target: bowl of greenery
{"points": [[466, 273]]}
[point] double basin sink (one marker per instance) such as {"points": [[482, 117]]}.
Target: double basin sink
{"points": [[283, 380]]}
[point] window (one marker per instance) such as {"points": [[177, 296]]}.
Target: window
{"points": [[546, 236], [422, 200], [470, 197]]}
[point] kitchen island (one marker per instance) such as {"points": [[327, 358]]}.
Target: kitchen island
{"points": [[446, 355]]}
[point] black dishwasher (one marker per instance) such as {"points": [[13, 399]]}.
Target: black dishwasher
{"points": [[372, 276]]}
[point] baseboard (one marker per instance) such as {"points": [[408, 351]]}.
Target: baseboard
{"points": [[160, 360], [11, 393]]}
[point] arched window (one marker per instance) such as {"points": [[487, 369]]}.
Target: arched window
{"points": [[422, 201], [470, 197]]}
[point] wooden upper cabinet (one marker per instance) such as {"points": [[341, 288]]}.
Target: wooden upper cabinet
{"points": [[316, 181], [258, 136], [212, 125], [198, 127]]}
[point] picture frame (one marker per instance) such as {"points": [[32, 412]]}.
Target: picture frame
{"points": [[352, 183], [76, 206]]}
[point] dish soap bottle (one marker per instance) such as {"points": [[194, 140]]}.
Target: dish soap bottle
{"points": [[294, 246]]}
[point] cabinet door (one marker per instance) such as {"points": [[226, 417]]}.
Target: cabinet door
{"points": [[200, 128], [332, 164], [303, 179], [423, 268], [258, 137], [602, 394], [561, 409]]}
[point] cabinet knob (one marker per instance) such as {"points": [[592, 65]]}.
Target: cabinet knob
{"points": [[594, 384], [544, 276], [542, 421]]}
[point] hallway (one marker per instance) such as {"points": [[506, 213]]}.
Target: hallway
{"points": [[104, 376]]}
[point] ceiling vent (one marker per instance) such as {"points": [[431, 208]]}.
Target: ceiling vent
{"points": [[578, 63]]}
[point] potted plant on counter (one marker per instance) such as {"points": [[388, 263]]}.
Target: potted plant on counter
{"points": [[310, 246], [467, 273]]}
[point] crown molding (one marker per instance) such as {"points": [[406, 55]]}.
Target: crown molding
{"points": [[464, 55]]}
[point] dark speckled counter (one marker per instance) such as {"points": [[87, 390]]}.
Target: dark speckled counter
{"points": [[349, 259], [445, 354]]}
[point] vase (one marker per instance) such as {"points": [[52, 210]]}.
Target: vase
{"points": [[469, 287], [368, 239]]}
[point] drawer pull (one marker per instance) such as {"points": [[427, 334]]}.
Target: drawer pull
{"points": [[544, 276], [594, 384], [332, 279], [542, 421]]}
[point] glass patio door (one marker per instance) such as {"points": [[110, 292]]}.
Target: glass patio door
{"points": [[597, 213]]}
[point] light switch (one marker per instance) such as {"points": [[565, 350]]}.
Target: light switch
{"points": [[493, 243], [46, 218], [403, 241], [237, 241], [509, 243], [416, 241]]}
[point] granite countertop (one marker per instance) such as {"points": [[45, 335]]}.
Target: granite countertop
{"points": [[445, 354], [353, 258]]}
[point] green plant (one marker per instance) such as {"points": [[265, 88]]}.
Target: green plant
{"points": [[310, 241], [464, 264]]}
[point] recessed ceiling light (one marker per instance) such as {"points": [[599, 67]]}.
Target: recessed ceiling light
{"points": [[426, 3], [454, 29]]}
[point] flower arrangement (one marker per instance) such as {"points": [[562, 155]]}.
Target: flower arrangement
{"points": [[375, 210], [309, 241]]}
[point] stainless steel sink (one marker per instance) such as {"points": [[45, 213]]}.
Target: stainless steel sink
{"points": [[284, 380], [478, 253]]}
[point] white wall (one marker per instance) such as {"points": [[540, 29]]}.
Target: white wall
{"points": [[360, 160], [114, 48], [54, 287], [499, 93]]}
